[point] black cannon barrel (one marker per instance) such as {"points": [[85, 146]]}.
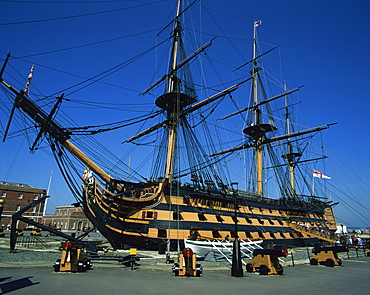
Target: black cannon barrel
{"points": [[271, 252], [334, 249]]}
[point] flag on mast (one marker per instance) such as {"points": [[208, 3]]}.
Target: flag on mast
{"points": [[257, 23], [29, 80], [320, 175]]}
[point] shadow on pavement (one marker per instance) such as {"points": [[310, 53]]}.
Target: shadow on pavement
{"points": [[15, 285]]}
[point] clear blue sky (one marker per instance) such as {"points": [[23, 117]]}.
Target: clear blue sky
{"points": [[324, 45]]}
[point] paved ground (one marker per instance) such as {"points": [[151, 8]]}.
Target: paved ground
{"points": [[351, 278], [30, 272]]}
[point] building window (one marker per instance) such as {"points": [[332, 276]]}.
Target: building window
{"points": [[18, 207], [20, 196], [35, 197], [3, 194], [233, 234], [149, 214], [248, 220], [34, 209], [74, 225]]}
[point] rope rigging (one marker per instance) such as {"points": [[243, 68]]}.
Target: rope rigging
{"points": [[115, 125], [76, 16]]}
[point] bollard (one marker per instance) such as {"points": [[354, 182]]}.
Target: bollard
{"points": [[291, 253], [236, 268]]}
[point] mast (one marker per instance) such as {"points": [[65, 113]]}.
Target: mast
{"points": [[173, 100], [172, 86], [290, 148], [258, 129], [257, 116], [290, 156]]}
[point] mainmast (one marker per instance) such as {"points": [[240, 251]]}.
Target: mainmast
{"points": [[257, 115], [258, 129], [173, 100]]}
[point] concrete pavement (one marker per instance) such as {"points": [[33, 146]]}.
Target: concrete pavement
{"points": [[350, 278]]}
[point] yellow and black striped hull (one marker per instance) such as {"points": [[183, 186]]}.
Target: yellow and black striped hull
{"points": [[194, 215]]}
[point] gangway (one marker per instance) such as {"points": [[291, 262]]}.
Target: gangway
{"points": [[225, 249], [313, 233]]}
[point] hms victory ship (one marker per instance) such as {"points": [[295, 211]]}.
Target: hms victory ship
{"points": [[189, 193]]}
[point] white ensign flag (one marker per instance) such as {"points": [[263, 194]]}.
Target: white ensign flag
{"points": [[320, 175]]}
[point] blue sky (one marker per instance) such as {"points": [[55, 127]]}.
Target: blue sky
{"points": [[323, 45]]}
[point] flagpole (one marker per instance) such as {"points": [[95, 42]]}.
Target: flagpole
{"points": [[313, 185], [47, 193]]}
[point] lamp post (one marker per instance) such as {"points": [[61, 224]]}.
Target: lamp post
{"points": [[236, 268], [2, 202]]}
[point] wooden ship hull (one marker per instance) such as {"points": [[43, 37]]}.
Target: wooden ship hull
{"points": [[203, 216]]}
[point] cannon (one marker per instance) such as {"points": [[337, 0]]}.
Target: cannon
{"points": [[74, 258], [36, 232], [327, 255], [266, 261], [187, 265]]}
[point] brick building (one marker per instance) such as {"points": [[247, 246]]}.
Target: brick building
{"points": [[67, 218], [16, 197]]}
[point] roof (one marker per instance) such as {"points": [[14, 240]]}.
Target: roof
{"points": [[15, 184], [20, 187]]}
